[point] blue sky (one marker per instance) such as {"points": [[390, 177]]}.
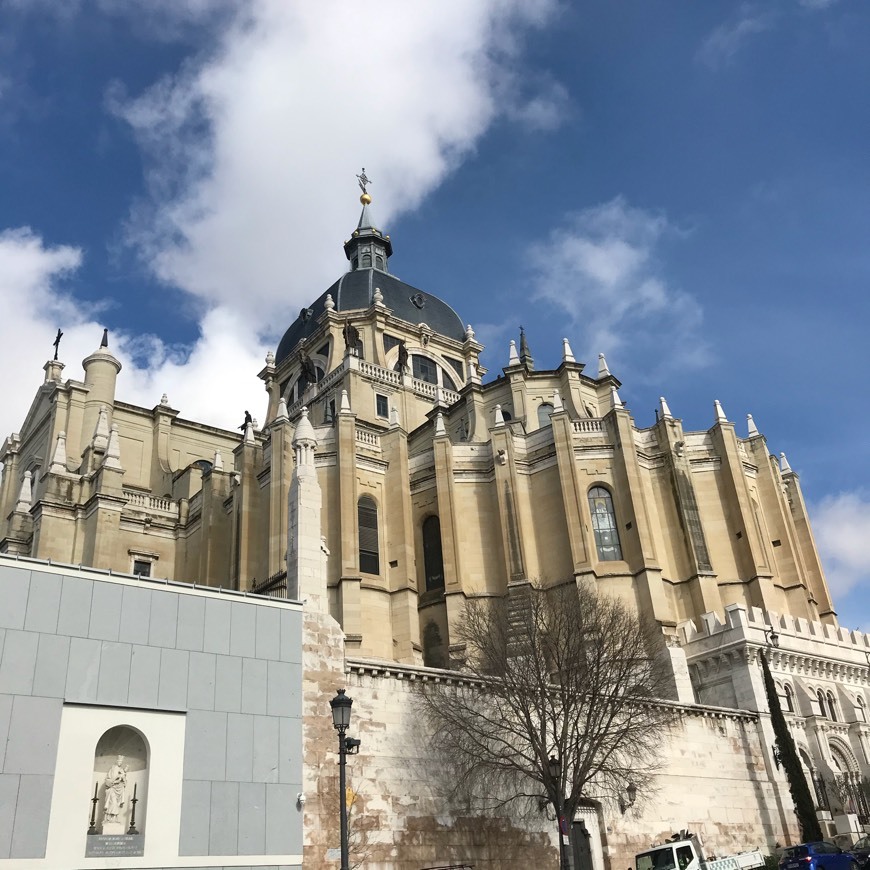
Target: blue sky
{"points": [[680, 185]]}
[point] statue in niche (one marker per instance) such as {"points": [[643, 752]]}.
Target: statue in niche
{"points": [[116, 786], [403, 357]]}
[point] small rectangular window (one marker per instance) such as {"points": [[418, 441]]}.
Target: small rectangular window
{"points": [[142, 567], [382, 404]]}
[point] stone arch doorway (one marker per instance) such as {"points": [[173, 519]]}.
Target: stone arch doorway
{"points": [[847, 780]]}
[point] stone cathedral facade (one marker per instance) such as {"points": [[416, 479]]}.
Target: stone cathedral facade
{"points": [[391, 481]]}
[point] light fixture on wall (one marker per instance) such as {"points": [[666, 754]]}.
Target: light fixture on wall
{"points": [[771, 638], [626, 802], [300, 800]]}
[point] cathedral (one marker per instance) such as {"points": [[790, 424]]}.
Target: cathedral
{"points": [[389, 482]]}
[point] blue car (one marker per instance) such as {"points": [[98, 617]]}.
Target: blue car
{"points": [[817, 856]]}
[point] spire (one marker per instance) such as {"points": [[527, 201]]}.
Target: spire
{"points": [[439, 425], [499, 417], [368, 247], [104, 344], [100, 441], [603, 371], [784, 467], [720, 414], [25, 496], [615, 401], [513, 357], [58, 460], [567, 353], [113, 451], [557, 402], [753, 429], [526, 358], [663, 407], [344, 407], [218, 464], [282, 410]]}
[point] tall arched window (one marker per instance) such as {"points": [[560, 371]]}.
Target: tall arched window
{"points": [[832, 707], [820, 697], [433, 559], [604, 524], [788, 698], [366, 261], [367, 517], [545, 409], [379, 263]]}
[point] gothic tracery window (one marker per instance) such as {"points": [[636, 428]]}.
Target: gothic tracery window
{"points": [[604, 524]]}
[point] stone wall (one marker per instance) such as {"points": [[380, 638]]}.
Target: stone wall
{"points": [[716, 780]]}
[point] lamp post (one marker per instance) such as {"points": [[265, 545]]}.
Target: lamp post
{"points": [[555, 768], [341, 705]]}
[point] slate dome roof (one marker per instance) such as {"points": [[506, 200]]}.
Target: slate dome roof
{"points": [[355, 289]]}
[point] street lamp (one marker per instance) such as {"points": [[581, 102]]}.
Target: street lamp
{"points": [[771, 638], [341, 705], [555, 770]]}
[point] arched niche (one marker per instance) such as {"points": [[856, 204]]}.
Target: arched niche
{"points": [[120, 777]]}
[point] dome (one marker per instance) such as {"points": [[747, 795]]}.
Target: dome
{"points": [[354, 290]]}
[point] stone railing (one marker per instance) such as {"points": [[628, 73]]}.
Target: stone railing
{"points": [[369, 439], [434, 392], [150, 504], [332, 377], [376, 373], [589, 426]]}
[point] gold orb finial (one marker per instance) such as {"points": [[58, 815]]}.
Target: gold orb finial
{"points": [[365, 198]]}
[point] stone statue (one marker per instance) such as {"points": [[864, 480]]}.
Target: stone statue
{"points": [[116, 786], [248, 419], [351, 336], [403, 357], [308, 370]]}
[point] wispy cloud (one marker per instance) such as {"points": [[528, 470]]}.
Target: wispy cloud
{"points": [[250, 149], [723, 44], [842, 528], [34, 282], [600, 270]]}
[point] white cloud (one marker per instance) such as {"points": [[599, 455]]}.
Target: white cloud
{"points": [[841, 524], [251, 150], [599, 269], [720, 47], [214, 381]]}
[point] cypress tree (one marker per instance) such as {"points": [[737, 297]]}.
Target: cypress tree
{"points": [[788, 757]]}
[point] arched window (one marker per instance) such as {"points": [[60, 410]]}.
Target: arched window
{"points": [[788, 698], [544, 411], [379, 263], [832, 707], [433, 559], [366, 261], [604, 524], [820, 697], [120, 784], [367, 517]]}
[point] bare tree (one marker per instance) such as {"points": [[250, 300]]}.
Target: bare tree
{"points": [[566, 673]]}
